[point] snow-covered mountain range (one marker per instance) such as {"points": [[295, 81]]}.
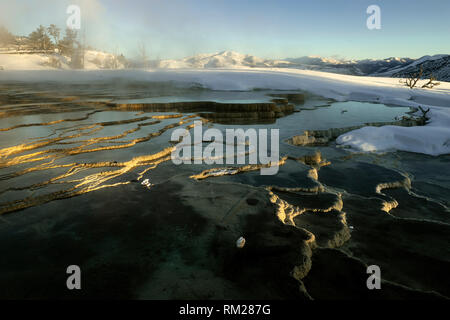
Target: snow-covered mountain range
{"points": [[439, 65], [224, 59]]}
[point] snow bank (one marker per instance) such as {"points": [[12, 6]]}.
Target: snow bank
{"points": [[28, 61], [428, 140], [432, 139], [94, 60]]}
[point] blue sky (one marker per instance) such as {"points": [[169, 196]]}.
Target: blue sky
{"points": [[270, 29]]}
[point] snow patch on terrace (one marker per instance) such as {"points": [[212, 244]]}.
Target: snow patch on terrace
{"points": [[432, 139]]}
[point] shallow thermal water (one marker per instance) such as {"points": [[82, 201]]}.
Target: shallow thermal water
{"points": [[71, 192]]}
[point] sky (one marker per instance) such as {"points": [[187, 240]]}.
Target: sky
{"points": [[172, 29]]}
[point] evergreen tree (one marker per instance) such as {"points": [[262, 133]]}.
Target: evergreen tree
{"points": [[67, 45], [39, 39], [55, 33]]}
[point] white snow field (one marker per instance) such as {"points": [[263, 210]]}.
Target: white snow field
{"points": [[432, 139], [27, 62], [94, 60]]}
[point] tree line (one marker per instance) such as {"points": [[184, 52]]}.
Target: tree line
{"points": [[43, 38], [50, 39]]}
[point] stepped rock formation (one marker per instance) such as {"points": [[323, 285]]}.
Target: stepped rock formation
{"points": [[141, 227]]}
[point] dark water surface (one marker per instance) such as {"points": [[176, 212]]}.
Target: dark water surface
{"points": [[71, 193]]}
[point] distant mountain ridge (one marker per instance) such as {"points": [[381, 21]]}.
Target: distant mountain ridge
{"points": [[224, 59], [438, 65]]}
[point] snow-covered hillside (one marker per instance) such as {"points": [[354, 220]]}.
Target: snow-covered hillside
{"points": [[439, 65], [93, 60], [31, 61]]}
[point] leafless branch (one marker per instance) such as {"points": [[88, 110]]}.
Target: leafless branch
{"points": [[412, 80], [431, 83], [424, 113]]}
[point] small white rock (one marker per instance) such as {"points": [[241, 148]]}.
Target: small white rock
{"points": [[146, 183], [240, 243]]}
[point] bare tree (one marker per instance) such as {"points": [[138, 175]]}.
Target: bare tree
{"points": [[422, 120], [413, 78], [431, 83]]}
